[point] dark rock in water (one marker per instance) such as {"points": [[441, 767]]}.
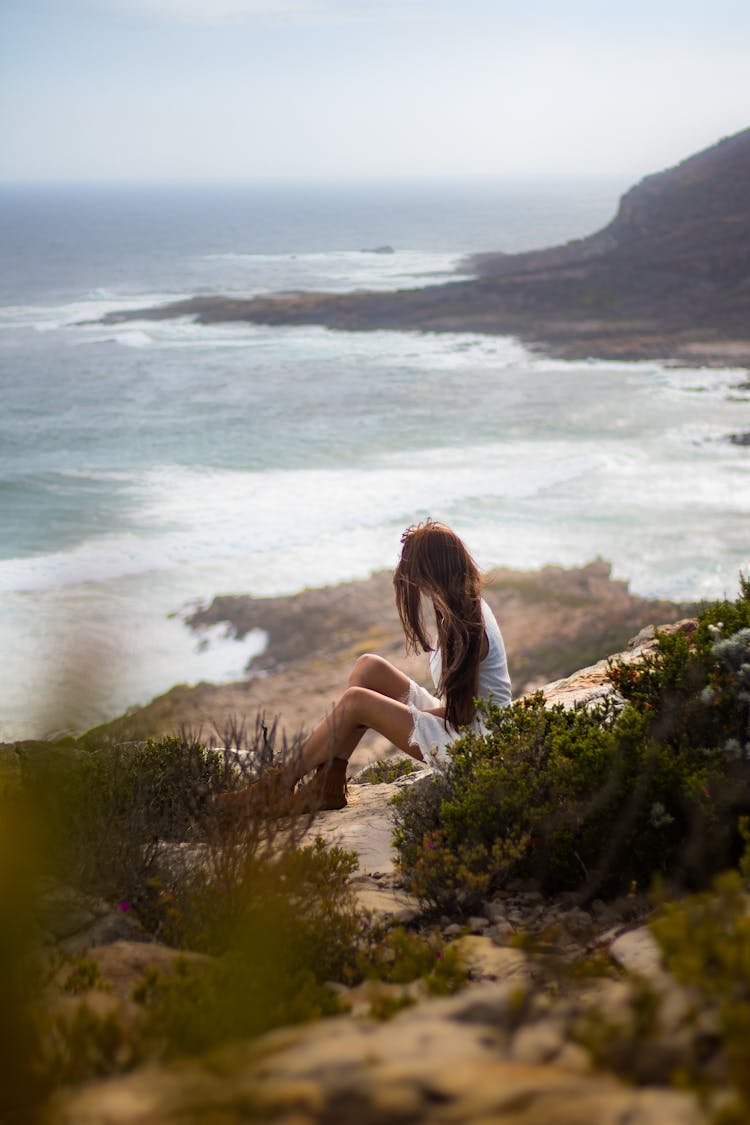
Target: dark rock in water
{"points": [[378, 250], [740, 439]]}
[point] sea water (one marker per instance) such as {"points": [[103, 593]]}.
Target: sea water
{"points": [[149, 465]]}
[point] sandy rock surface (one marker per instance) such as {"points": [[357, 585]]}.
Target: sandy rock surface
{"points": [[444, 1061]]}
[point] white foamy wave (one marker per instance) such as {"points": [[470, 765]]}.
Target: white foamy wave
{"points": [[412, 350], [177, 332], [219, 515], [337, 271], [48, 318]]}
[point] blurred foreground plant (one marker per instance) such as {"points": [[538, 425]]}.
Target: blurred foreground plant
{"points": [[705, 941], [18, 975], [266, 919]]}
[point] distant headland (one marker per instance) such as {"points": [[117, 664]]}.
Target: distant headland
{"points": [[668, 278]]}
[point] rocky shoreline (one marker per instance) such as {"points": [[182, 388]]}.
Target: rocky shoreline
{"points": [[554, 620], [471, 307], [666, 280]]}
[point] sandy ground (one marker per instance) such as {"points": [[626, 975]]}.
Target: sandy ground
{"points": [[554, 621]]}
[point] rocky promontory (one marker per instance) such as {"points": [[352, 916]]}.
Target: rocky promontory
{"points": [[668, 278], [579, 1022]]}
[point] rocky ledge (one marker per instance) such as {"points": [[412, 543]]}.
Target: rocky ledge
{"points": [[529, 1040]]}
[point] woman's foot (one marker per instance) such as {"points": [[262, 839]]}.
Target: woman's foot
{"points": [[269, 795], [325, 790]]}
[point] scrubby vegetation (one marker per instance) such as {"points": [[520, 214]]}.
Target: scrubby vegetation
{"points": [[705, 939], [650, 783], [266, 918], [386, 770]]}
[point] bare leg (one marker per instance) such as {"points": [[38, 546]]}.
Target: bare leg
{"points": [[376, 674], [358, 710], [379, 675]]}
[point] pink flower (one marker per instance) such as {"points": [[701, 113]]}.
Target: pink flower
{"points": [[123, 907]]}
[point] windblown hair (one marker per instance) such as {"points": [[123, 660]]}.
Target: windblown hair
{"points": [[435, 562]]}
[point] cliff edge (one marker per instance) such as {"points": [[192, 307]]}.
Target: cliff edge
{"points": [[668, 278]]}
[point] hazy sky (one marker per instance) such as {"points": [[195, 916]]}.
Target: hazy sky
{"points": [[322, 89]]}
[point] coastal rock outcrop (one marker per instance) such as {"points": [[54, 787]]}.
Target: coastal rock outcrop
{"points": [[668, 277]]}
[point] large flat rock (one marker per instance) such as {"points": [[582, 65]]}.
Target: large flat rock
{"points": [[365, 826]]}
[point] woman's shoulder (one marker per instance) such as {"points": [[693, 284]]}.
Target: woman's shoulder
{"points": [[488, 616]]}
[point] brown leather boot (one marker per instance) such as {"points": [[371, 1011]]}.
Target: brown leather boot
{"points": [[325, 790], [268, 795]]}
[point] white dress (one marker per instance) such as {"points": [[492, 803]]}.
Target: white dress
{"points": [[429, 732]]}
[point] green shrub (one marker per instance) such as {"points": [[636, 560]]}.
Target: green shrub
{"points": [[108, 810], [705, 941], [19, 983], [400, 957], [299, 927], [695, 689], [596, 799], [85, 1046], [387, 770]]}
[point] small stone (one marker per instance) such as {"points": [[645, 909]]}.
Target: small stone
{"points": [[497, 1005], [396, 1100], [532, 898], [602, 913], [574, 1057], [486, 961], [537, 1043], [577, 922], [647, 633], [476, 925], [387, 905], [495, 910], [453, 930], [638, 952], [501, 933]]}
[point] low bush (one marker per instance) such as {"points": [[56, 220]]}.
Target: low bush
{"points": [[596, 799], [386, 770], [109, 810], [705, 942], [235, 879], [400, 957], [291, 927]]}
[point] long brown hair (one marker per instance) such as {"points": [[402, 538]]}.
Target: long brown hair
{"points": [[435, 562]]}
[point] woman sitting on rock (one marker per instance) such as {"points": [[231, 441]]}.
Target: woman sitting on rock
{"points": [[467, 663]]}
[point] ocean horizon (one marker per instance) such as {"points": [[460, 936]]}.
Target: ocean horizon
{"points": [[148, 466]]}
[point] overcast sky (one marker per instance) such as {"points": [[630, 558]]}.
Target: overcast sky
{"points": [[363, 89]]}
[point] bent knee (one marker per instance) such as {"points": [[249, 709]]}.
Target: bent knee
{"points": [[355, 696], [367, 670], [354, 703]]}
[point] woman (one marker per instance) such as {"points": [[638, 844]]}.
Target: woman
{"points": [[468, 662]]}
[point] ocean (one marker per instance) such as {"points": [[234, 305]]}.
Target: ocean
{"points": [[147, 466]]}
